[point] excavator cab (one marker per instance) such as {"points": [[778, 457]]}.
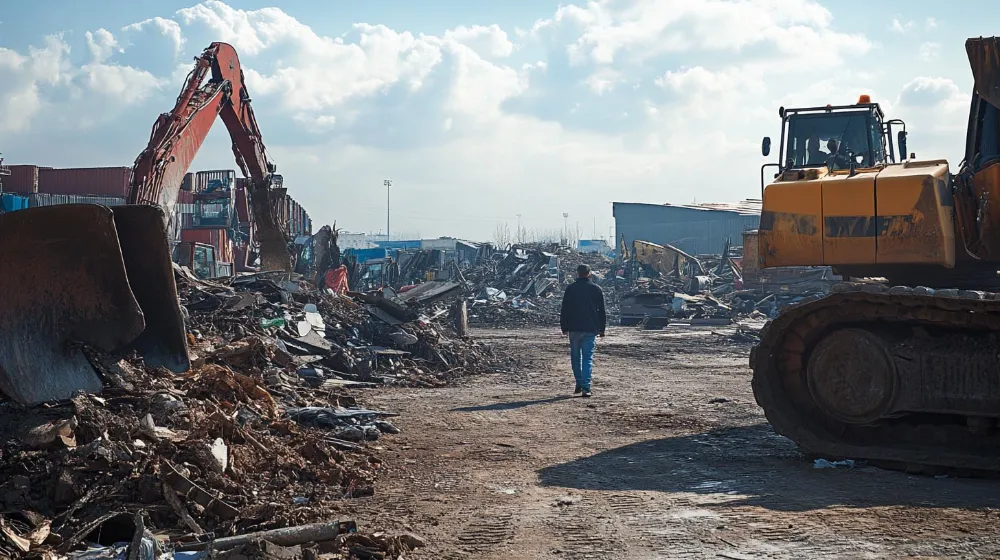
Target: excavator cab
{"points": [[836, 137]]}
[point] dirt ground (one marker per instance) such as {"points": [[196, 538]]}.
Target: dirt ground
{"points": [[671, 458]]}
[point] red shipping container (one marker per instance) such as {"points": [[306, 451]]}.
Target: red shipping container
{"points": [[215, 237], [23, 179], [112, 181]]}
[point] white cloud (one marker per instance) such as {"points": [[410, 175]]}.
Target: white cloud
{"points": [[488, 41], [646, 29], [905, 26], [166, 27], [900, 26], [24, 77], [603, 81], [102, 44], [479, 123], [929, 52], [925, 91]]}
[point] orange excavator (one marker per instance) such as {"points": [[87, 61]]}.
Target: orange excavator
{"points": [[84, 275], [902, 371]]}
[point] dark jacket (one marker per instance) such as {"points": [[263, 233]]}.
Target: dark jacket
{"points": [[583, 308]]}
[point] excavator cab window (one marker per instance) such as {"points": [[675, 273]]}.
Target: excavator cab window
{"points": [[833, 139], [202, 261]]}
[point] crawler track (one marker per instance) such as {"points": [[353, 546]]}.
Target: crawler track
{"points": [[904, 377]]}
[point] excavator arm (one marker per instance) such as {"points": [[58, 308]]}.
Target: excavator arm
{"points": [[79, 276], [177, 135]]}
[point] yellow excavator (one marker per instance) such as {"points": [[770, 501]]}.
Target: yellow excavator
{"points": [[900, 364]]}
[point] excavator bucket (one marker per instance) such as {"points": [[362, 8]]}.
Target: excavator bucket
{"points": [[142, 236], [984, 58], [62, 282], [82, 274]]}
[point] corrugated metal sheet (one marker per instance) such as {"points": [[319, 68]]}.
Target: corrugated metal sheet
{"points": [[111, 181], [216, 178], [23, 179], [48, 199], [692, 229]]}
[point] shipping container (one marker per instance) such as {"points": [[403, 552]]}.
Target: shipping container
{"points": [[10, 202], [216, 179], [48, 199], [217, 238], [110, 181], [23, 179]]}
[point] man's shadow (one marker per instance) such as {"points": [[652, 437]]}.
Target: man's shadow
{"points": [[511, 405]]}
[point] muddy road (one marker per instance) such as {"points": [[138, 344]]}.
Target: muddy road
{"points": [[671, 458]]}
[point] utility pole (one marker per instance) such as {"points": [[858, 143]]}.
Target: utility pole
{"points": [[566, 227], [518, 229], [387, 183]]}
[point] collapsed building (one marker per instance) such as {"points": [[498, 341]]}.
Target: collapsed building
{"points": [[699, 264]]}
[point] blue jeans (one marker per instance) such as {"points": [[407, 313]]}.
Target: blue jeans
{"points": [[581, 355]]}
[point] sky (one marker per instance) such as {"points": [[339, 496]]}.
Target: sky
{"points": [[483, 111]]}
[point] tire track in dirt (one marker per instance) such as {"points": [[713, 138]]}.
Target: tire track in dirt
{"points": [[670, 459]]}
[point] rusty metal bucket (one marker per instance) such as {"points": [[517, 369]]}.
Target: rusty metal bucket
{"points": [[66, 280], [142, 236], [984, 59]]}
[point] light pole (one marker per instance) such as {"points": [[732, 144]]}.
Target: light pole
{"points": [[566, 228], [387, 183], [519, 229]]}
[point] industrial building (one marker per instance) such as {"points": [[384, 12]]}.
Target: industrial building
{"points": [[696, 228]]}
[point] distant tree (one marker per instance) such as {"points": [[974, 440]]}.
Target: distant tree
{"points": [[501, 235]]}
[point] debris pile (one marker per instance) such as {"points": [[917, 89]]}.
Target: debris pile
{"points": [[670, 286], [257, 446], [523, 286]]}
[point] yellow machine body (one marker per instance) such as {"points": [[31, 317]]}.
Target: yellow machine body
{"points": [[893, 214]]}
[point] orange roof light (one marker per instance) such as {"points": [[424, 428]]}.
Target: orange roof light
{"points": [[864, 99]]}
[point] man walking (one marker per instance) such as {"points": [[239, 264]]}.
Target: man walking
{"points": [[583, 319]]}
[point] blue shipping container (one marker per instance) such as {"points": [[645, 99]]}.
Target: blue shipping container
{"points": [[364, 255], [10, 202]]}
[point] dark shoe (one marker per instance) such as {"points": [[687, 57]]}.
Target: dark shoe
{"points": [[586, 394], [578, 390]]}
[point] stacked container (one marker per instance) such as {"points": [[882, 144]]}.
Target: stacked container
{"points": [[23, 179], [108, 181]]}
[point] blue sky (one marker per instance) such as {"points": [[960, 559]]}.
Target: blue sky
{"points": [[482, 111]]}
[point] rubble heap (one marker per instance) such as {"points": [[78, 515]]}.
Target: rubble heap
{"points": [[523, 287], [259, 443]]}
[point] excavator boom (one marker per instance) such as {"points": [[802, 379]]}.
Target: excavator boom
{"points": [[177, 135], [84, 275]]}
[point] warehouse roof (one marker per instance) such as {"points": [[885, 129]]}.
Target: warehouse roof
{"points": [[748, 207]]}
